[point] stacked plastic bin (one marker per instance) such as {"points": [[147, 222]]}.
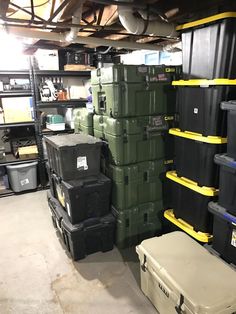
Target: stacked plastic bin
{"points": [[79, 197], [224, 211], [209, 72], [133, 108]]}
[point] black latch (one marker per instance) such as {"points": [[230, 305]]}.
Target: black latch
{"points": [[181, 302], [143, 267]]}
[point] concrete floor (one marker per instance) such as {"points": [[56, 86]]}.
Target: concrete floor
{"points": [[37, 276]]}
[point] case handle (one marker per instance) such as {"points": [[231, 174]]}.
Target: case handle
{"points": [[143, 266], [178, 307]]}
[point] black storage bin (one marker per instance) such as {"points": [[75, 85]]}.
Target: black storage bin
{"points": [[85, 198], [199, 109], [227, 193], [190, 205], [92, 235], [194, 159], [231, 127], [224, 233], [74, 156], [209, 47]]}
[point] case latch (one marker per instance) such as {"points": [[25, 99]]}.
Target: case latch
{"points": [[143, 266], [181, 302]]}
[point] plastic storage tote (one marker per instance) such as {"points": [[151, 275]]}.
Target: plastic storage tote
{"points": [[23, 177], [198, 105], [227, 193], [135, 73], [83, 121], [84, 198], [224, 232], [178, 275], [90, 236], [209, 47], [74, 156], [194, 157], [138, 223], [189, 202], [231, 144], [133, 99], [137, 183]]}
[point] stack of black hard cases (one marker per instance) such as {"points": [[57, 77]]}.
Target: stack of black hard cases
{"points": [[79, 197], [209, 74], [224, 226]]}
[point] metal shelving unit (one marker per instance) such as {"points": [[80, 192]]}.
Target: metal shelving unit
{"points": [[62, 73], [36, 77], [10, 158], [11, 125], [72, 103]]}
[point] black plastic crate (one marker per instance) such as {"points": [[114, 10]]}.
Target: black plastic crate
{"points": [[92, 235], [231, 127], [85, 198], [74, 156], [227, 193], [194, 158], [224, 233], [199, 108], [209, 47], [189, 202]]}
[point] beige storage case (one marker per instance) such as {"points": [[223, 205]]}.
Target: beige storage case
{"points": [[180, 276]]}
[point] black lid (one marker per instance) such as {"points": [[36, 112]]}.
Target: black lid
{"points": [[221, 212], [225, 160], [228, 105]]}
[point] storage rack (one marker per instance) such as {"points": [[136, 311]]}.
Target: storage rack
{"points": [[35, 76], [10, 159]]}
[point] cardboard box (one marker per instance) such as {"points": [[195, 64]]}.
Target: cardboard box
{"points": [[17, 109], [28, 152]]}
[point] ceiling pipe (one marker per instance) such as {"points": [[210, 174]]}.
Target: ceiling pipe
{"points": [[61, 37], [139, 26], [76, 18]]}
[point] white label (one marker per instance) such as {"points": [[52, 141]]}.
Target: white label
{"points": [[24, 182], [142, 69], [82, 163], [195, 110], [233, 239], [68, 209]]}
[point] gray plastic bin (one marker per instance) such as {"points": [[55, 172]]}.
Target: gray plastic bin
{"points": [[23, 177]]}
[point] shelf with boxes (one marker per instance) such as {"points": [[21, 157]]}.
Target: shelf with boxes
{"points": [[19, 154], [79, 197], [209, 77], [57, 94]]}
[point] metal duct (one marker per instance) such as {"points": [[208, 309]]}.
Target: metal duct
{"points": [[139, 26]]}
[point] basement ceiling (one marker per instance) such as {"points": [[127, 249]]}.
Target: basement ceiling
{"points": [[100, 18]]}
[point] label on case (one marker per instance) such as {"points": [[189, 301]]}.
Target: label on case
{"points": [[24, 182], [143, 69], [233, 238], [82, 163]]}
